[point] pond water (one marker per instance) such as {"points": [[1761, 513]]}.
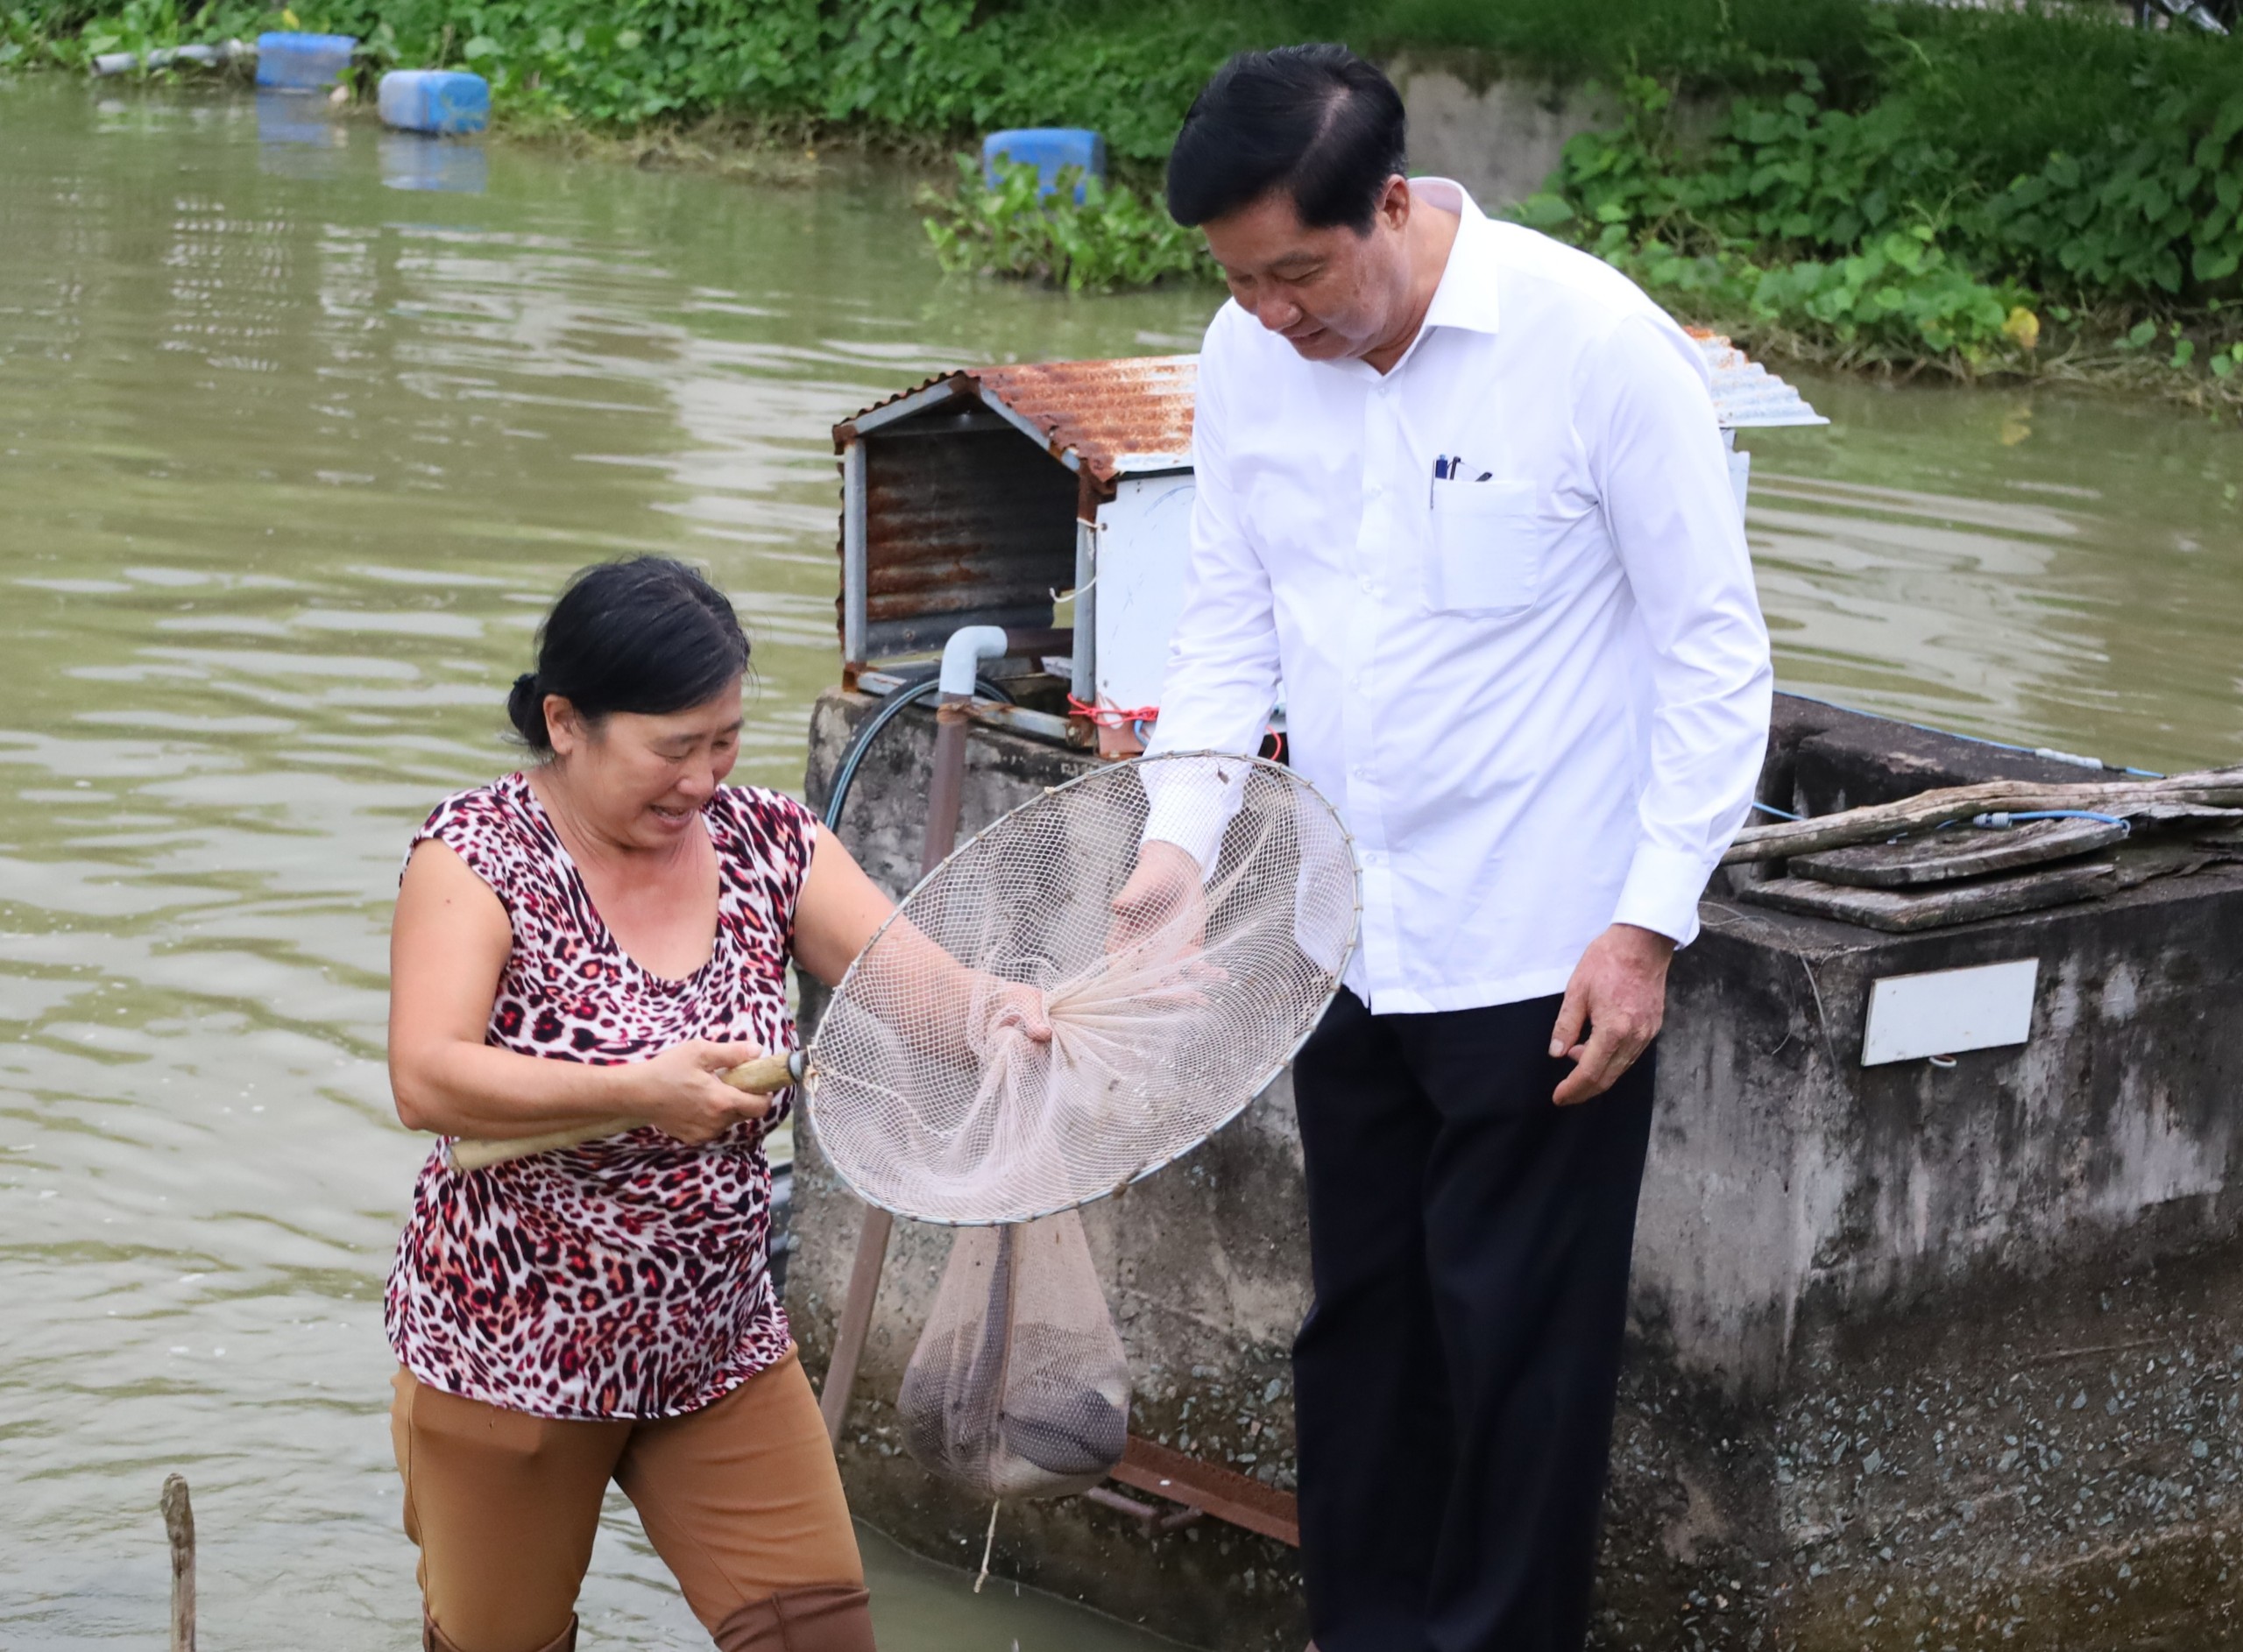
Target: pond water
{"points": [[291, 460]]}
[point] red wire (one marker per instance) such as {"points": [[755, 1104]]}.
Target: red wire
{"points": [[1114, 717], [1108, 716]]}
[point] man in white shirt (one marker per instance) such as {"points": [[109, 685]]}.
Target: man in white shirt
{"points": [[1460, 490]]}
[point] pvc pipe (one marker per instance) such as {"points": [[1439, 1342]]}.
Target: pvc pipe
{"points": [[164, 57], [963, 654]]}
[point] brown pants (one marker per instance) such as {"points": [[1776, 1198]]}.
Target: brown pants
{"points": [[741, 1499]]}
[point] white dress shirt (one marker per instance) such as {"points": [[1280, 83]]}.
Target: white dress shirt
{"points": [[1537, 691]]}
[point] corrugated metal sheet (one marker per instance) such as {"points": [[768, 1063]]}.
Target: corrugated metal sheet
{"points": [[1746, 395], [1106, 419], [964, 524], [1120, 416]]}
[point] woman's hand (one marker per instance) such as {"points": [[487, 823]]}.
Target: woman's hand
{"points": [[1001, 1004], [681, 1093]]}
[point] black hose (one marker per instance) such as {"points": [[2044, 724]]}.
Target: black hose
{"points": [[844, 774]]}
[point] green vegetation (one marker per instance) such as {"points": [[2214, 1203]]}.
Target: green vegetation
{"points": [[2000, 169], [913, 71], [1874, 181], [1112, 238]]}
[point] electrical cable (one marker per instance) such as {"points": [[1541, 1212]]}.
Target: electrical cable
{"points": [[2047, 751], [2002, 818], [844, 774]]}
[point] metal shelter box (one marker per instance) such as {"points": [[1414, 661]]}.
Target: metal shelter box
{"points": [[981, 495]]}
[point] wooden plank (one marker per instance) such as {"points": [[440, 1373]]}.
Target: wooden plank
{"points": [[1904, 912], [1236, 1498], [1957, 852], [179, 1527], [2221, 789]]}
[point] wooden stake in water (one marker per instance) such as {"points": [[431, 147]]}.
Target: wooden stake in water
{"points": [[178, 1526]]}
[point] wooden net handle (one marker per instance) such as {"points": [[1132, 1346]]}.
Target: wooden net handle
{"points": [[758, 1077]]}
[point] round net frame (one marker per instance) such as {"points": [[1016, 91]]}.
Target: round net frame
{"points": [[931, 1088]]}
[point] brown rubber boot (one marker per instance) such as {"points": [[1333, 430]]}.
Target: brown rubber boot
{"points": [[831, 1618], [432, 1639]]}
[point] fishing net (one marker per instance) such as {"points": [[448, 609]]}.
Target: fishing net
{"points": [[1019, 1387], [934, 1088]]}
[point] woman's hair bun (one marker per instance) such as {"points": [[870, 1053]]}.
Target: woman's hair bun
{"points": [[526, 710], [647, 634]]}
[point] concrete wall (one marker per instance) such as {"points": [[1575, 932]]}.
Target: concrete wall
{"points": [[1919, 1356], [1501, 134], [1497, 135]]}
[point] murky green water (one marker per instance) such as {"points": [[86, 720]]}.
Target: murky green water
{"points": [[289, 464], [2046, 569], [290, 461]]}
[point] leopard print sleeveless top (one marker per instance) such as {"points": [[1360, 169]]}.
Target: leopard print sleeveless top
{"points": [[625, 1278]]}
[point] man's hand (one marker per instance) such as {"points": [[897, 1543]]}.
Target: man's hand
{"points": [[1619, 991], [1164, 887]]}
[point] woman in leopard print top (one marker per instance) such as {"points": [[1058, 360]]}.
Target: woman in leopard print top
{"points": [[603, 936]]}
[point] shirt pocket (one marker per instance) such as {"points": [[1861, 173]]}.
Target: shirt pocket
{"points": [[1486, 549]]}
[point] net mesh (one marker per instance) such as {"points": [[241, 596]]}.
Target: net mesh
{"points": [[1019, 1387], [934, 1092]]}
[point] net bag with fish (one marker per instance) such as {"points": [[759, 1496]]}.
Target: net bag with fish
{"points": [[1019, 1387], [935, 1090]]}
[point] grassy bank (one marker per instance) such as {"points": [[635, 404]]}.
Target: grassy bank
{"points": [[2032, 192], [915, 70], [1892, 184]]}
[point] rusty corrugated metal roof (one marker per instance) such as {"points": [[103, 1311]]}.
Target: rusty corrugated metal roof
{"points": [[1108, 418]]}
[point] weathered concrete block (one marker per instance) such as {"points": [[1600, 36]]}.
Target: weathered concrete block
{"points": [[1919, 1356]]}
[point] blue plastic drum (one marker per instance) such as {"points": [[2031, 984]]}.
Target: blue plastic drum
{"points": [[444, 102], [1050, 149], [303, 62]]}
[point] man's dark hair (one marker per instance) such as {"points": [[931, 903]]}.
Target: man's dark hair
{"points": [[647, 634], [1315, 121]]}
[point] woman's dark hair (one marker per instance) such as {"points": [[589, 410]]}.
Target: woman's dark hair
{"points": [[647, 634], [1315, 121]]}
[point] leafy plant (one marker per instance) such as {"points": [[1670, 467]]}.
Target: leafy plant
{"points": [[1111, 239], [1930, 220]]}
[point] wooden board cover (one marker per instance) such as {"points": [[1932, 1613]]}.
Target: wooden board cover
{"points": [[1957, 852], [1903, 912]]}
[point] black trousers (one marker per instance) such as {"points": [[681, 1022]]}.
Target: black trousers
{"points": [[1455, 1380]]}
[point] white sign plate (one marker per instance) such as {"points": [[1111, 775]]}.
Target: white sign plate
{"points": [[1945, 1012]]}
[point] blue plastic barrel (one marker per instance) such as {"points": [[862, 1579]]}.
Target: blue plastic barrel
{"points": [[441, 101], [303, 62], [411, 161], [1049, 149]]}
